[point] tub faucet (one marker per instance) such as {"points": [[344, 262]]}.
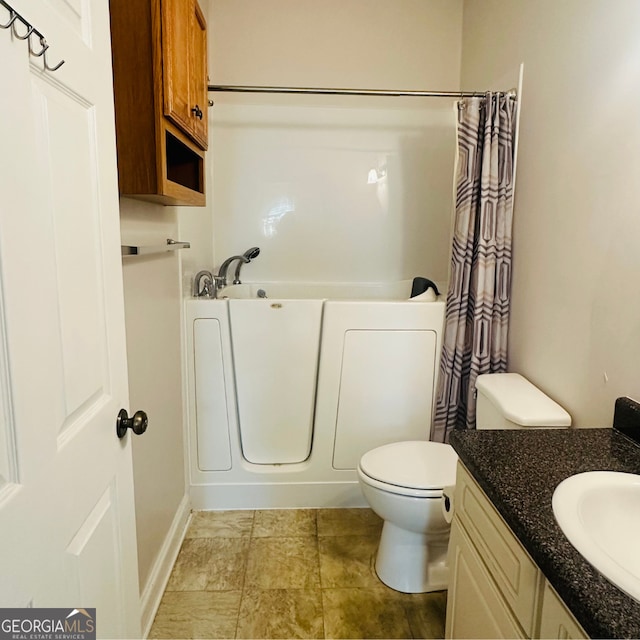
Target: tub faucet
{"points": [[247, 256], [250, 254], [206, 290], [224, 267]]}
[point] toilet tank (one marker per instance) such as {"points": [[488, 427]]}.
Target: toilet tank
{"points": [[510, 401]]}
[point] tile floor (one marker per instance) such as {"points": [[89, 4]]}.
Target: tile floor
{"points": [[300, 573]]}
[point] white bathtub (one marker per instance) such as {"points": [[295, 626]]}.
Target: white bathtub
{"points": [[286, 393]]}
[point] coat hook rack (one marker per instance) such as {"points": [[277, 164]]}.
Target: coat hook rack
{"points": [[39, 50]]}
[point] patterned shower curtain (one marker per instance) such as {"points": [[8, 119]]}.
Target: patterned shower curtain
{"points": [[477, 311]]}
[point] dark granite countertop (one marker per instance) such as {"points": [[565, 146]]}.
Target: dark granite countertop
{"points": [[519, 471]]}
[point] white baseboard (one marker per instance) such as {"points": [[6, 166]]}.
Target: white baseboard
{"points": [[159, 576]]}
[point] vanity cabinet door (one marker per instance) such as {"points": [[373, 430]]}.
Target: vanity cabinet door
{"points": [[510, 566], [475, 607], [556, 621]]}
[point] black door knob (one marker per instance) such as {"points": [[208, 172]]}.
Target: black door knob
{"points": [[138, 423]]}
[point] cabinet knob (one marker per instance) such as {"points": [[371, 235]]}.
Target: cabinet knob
{"points": [[197, 112]]}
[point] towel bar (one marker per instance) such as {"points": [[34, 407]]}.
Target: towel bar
{"points": [[171, 245]]}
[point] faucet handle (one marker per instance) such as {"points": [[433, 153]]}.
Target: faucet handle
{"points": [[217, 284], [202, 276]]}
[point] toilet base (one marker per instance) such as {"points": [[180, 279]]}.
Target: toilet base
{"points": [[412, 562]]}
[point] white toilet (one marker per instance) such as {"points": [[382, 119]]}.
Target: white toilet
{"points": [[403, 483]]}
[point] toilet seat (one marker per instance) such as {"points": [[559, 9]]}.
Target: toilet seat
{"points": [[413, 468]]}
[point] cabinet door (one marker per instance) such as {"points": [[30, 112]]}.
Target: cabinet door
{"points": [[556, 621], [199, 81], [177, 20], [184, 68], [511, 568], [475, 608]]}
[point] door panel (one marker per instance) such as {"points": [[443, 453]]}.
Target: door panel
{"points": [[275, 356], [385, 391], [475, 608], [212, 411], [199, 79], [66, 133], [67, 526], [8, 450], [76, 14], [93, 558], [176, 33]]}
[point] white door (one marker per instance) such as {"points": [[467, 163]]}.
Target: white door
{"points": [[67, 530]]}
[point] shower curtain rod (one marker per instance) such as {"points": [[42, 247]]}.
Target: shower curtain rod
{"points": [[349, 92]]}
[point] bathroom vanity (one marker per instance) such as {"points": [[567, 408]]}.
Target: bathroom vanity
{"points": [[513, 572]]}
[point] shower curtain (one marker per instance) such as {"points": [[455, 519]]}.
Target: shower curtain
{"points": [[477, 309]]}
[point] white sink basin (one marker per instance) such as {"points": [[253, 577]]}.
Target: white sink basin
{"points": [[599, 512]]}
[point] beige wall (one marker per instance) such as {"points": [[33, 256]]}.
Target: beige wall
{"points": [[384, 44], [152, 314], [575, 327]]}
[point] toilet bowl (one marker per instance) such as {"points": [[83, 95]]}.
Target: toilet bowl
{"points": [[403, 483]]}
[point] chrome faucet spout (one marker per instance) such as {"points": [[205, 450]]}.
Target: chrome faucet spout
{"points": [[224, 267], [249, 254]]}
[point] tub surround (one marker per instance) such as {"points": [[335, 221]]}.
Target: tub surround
{"points": [[519, 471]]}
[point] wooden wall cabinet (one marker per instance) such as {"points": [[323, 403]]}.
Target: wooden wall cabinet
{"points": [[184, 72], [495, 588], [159, 50]]}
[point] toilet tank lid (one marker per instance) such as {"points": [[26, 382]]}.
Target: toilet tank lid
{"points": [[520, 401], [414, 464]]}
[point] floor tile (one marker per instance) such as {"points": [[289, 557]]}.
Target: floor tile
{"points": [[227, 563], [283, 563], [191, 570], [281, 613], [364, 613], [347, 561], [348, 522], [284, 522], [220, 524], [426, 614], [289, 574], [197, 614]]}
